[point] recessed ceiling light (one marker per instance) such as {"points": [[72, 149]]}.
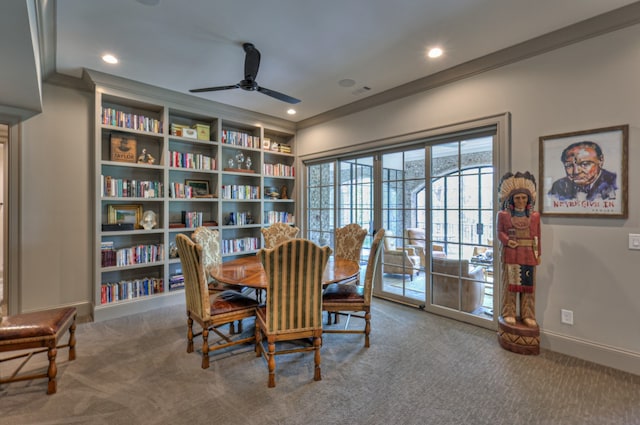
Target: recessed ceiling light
{"points": [[110, 58], [291, 111], [347, 82], [435, 52]]}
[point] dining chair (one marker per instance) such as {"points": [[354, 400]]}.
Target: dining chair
{"points": [[348, 242], [209, 240], [277, 233], [293, 308], [340, 299], [211, 312], [348, 245]]}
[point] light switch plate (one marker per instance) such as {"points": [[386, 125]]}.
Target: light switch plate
{"points": [[634, 241]]}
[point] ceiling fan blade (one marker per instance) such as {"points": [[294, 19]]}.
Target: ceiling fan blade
{"points": [[251, 61], [278, 95], [218, 88]]}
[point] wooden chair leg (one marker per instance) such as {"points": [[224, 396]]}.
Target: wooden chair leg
{"points": [[205, 348], [317, 374], [189, 335], [271, 361]]}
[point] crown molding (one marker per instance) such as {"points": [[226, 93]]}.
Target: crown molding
{"points": [[598, 25]]}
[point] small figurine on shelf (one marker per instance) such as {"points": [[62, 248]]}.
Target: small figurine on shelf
{"points": [[239, 159], [231, 220], [283, 192], [146, 158], [173, 250], [230, 163], [148, 220], [248, 163], [250, 219]]}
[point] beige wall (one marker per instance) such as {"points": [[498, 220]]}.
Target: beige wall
{"points": [[587, 266], [56, 174]]}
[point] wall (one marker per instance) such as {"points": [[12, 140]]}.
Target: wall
{"points": [[56, 202], [586, 266]]}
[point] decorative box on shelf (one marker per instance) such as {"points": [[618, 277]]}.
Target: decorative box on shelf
{"points": [[203, 132]]}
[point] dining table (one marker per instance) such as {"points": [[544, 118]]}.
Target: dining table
{"points": [[248, 271]]}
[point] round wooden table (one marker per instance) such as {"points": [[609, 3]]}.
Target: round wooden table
{"points": [[248, 271]]}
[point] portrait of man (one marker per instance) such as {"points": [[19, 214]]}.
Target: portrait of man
{"points": [[585, 178]]}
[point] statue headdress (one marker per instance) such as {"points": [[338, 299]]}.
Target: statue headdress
{"points": [[510, 184]]}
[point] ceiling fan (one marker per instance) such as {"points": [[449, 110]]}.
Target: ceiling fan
{"points": [[251, 65]]}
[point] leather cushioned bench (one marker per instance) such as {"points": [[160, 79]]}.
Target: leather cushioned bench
{"points": [[38, 331]]}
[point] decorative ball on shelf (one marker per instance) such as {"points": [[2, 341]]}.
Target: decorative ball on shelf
{"points": [[148, 220]]}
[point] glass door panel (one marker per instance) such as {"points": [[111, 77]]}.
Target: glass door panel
{"points": [[461, 212], [403, 207]]}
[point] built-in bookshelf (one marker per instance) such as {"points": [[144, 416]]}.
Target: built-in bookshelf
{"points": [[188, 168]]}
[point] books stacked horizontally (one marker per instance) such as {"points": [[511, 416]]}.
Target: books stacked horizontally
{"points": [[285, 148], [176, 280]]}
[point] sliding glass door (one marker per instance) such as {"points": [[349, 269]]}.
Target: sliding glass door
{"points": [[434, 198]]}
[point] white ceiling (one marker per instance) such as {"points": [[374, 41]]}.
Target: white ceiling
{"points": [[307, 47]]}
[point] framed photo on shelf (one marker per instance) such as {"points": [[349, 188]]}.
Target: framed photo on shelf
{"points": [[123, 148], [585, 173], [200, 188], [266, 143], [125, 214]]}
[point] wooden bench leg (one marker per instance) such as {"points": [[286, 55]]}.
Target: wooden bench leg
{"points": [[53, 370]]}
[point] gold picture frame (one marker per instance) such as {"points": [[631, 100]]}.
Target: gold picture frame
{"points": [[125, 214]]}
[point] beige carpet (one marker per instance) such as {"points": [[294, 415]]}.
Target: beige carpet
{"points": [[420, 369]]}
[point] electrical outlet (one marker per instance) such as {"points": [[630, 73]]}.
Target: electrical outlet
{"points": [[566, 316], [634, 241]]}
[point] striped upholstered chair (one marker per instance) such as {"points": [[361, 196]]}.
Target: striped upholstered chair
{"points": [[210, 313], [278, 232], [293, 308], [340, 299]]}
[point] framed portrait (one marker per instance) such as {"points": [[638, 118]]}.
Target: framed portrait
{"points": [[584, 173], [118, 214], [200, 188]]}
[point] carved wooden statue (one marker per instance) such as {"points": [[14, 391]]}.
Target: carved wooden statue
{"points": [[518, 229]]}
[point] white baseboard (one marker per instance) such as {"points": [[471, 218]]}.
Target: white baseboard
{"points": [[605, 355]]}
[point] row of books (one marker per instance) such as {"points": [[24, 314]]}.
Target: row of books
{"points": [[181, 191], [280, 170], [138, 254], [240, 191], [114, 117], [238, 138], [231, 246], [126, 188], [240, 219], [272, 217], [127, 289], [192, 218], [193, 161]]}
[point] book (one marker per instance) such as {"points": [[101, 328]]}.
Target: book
{"points": [[123, 148]]}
